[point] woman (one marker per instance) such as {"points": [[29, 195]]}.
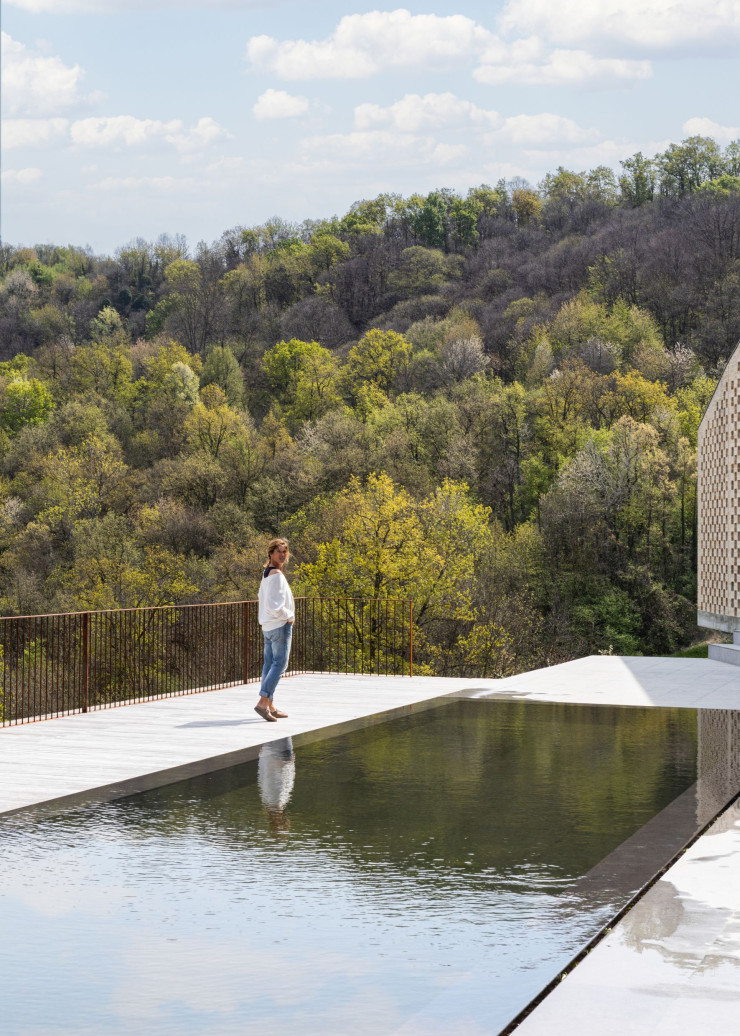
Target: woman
{"points": [[276, 616]]}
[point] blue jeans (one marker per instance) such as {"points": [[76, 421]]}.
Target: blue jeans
{"points": [[277, 653]]}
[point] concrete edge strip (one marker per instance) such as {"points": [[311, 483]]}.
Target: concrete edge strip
{"points": [[606, 929], [199, 767]]}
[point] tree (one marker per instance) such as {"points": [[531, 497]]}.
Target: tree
{"points": [[463, 358], [317, 388], [464, 215], [111, 571], [429, 220], [107, 326], [326, 250], [638, 181], [103, 368], [25, 401], [304, 376], [527, 206], [222, 368], [376, 359], [212, 423], [192, 303], [88, 480], [368, 217], [686, 166], [420, 271]]}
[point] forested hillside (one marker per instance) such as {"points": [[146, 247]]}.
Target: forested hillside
{"points": [[487, 403]]}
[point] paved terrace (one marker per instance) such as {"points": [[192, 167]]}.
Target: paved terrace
{"points": [[672, 965]]}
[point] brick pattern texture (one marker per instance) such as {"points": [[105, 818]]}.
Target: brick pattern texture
{"points": [[719, 497]]}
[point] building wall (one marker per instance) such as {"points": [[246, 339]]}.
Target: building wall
{"points": [[718, 603]]}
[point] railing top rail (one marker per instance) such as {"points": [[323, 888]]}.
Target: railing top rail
{"points": [[172, 607], [121, 611], [336, 597]]}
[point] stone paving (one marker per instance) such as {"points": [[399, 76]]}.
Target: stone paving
{"points": [[114, 752]]}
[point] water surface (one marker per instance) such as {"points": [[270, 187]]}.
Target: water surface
{"points": [[413, 877]]}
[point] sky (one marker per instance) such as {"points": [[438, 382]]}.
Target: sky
{"points": [[132, 118]]}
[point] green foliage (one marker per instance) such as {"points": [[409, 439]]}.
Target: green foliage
{"points": [[527, 206], [111, 571], [422, 271], [367, 217], [725, 184], [696, 651], [25, 401], [222, 368], [486, 401], [585, 319], [376, 360], [686, 166], [429, 220], [638, 180], [104, 369], [610, 622], [106, 325], [304, 377], [327, 250]]}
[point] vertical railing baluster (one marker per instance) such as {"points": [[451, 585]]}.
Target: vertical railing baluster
{"points": [[56, 664], [411, 638], [248, 645], [86, 661]]}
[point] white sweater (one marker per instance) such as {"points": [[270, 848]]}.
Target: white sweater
{"points": [[276, 604]]}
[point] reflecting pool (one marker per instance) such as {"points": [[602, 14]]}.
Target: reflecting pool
{"points": [[426, 875]]}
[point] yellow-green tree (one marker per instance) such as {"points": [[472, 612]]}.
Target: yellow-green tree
{"points": [[376, 360], [304, 376], [373, 540], [24, 401]]}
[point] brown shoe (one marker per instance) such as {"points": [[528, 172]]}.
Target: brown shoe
{"points": [[277, 714], [265, 714]]}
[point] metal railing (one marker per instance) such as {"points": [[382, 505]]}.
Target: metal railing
{"points": [[55, 665]]}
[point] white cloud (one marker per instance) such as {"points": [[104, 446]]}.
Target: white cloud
{"points": [[708, 128], [277, 104], [605, 152], [158, 184], [128, 131], [377, 148], [545, 128], [414, 112], [530, 61], [21, 177], [364, 44], [225, 166], [643, 23], [120, 130], [199, 137], [35, 84], [115, 132], [106, 7], [449, 154], [33, 133]]}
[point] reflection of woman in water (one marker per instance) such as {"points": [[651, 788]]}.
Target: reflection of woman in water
{"points": [[275, 778], [276, 615]]}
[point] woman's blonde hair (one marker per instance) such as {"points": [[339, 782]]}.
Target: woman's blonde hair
{"points": [[273, 545]]}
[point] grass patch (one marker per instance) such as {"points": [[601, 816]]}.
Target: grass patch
{"points": [[697, 651]]}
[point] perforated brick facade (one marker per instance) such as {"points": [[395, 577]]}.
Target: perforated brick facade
{"points": [[718, 601]]}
